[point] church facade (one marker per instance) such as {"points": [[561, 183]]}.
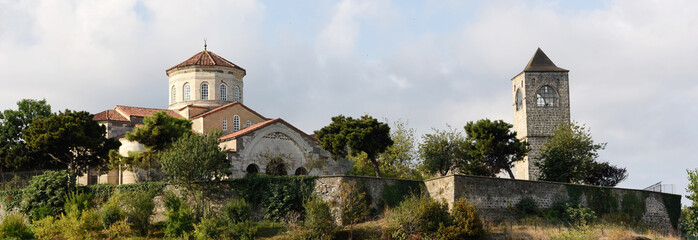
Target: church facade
{"points": [[541, 103], [208, 90]]}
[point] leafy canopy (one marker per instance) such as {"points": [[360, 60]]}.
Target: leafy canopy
{"points": [[14, 152], [398, 161], [348, 136], [72, 139], [570, 156], [442, 151], [689, 215], [195, 158], [494, 145]]}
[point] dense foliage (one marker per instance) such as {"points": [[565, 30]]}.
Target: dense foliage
{"points": [[318, 219], [348, 136], [689, 215], [398, 161], [570, 156], [278, 195], [416, 216], [495, 145], [444, 151], [14, 152], [48, 191]]}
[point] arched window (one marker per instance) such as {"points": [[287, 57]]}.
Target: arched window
{"points": [[174, 94], [301, 171], [236, 123], [248, 123], [252, 169], [204, 91], [225, 124], [187, 92], [547, 97], [519, 100], [237, 93], [224, 92]]}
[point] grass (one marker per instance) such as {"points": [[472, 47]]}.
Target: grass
{"points": [[555, 232]]}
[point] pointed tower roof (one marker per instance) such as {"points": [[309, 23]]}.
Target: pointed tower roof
{"points": [[205, 58], [541, 63]]}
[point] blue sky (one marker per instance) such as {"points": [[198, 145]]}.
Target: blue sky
{"points": [[432, 63]]}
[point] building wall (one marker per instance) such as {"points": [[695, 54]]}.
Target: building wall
{"points": [[195, 76], [215, 120]]}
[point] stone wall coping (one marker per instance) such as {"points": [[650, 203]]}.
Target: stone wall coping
{"points": [[545, 182], [368, 177]]}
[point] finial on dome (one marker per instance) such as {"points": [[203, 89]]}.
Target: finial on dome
{"points": [[205, 44]]}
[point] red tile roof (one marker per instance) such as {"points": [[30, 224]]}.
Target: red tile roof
{"points": [[128, 112], [205, 58], [258, 126], [227, 106], [109, 115]]}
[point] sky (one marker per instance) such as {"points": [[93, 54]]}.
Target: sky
{"points": [[633, 78]]}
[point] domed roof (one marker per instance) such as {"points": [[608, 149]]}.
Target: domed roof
{"points": [[205, 58]]}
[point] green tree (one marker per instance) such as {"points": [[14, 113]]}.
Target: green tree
{"points": [[442, 151], [689, 215], [348, 136], [14, 153], [71, 139], [158, 132], [196, 162], [570, 156], [495, 145], [398, 160]]}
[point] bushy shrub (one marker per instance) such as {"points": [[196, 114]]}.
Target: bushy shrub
{"points": [[42, 212], [46, 228], [242, 230], [14, 227], [118, 230], [319, 219], [111, 213], [48, 189], [207, 229], [466, 223], [236, 211], [527, 206], [137, 207], [76, 202], [354, 204], [416, 216], [282, 199], [178, 213], [633, 207], [578, 215], [689, 221]]}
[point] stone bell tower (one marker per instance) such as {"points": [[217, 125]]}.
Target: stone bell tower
{"points": [[541, 102]]}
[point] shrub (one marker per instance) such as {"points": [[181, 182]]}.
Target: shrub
{"points": [[578, 215], [179, 219], [689, 221], [76, 202], [14, 227], [207, 229], [527, 206], [466, 223], [392, 195], [318, 219], [111, 214], [354, 205], [236, 211], [282, 200], [42, 212], [242, 230], [416, 216], [48, 189], [118, 230], [633, 207], [46, 228], [137, 208]]}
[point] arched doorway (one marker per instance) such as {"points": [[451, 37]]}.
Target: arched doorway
{"points": [[252, 169], [301, 171], [276, 167]]}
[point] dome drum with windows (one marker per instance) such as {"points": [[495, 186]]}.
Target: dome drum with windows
{"points": [[205, 80]]}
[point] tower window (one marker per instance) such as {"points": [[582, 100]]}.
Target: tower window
{"points": [[174, 94], [519, 100], [204, 91], [547, 97], [236, 123], [187, 92], [225, 124], [237, 93], [224, 92]]}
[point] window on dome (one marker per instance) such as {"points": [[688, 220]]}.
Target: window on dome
{"points": [[225, 124], [204, 91], [237, 93], [236, 123], [224, 92], [187, 92], [546, 97], [519, 100], [174, 94], [249, 123]]}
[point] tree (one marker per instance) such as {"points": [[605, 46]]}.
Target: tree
{"points": [[689, 215], [570, 156], [493, 144], [14, 153], [442, 151], [348, 136], [195, 161], [398, 160], [71, 139], [158, 132]]}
